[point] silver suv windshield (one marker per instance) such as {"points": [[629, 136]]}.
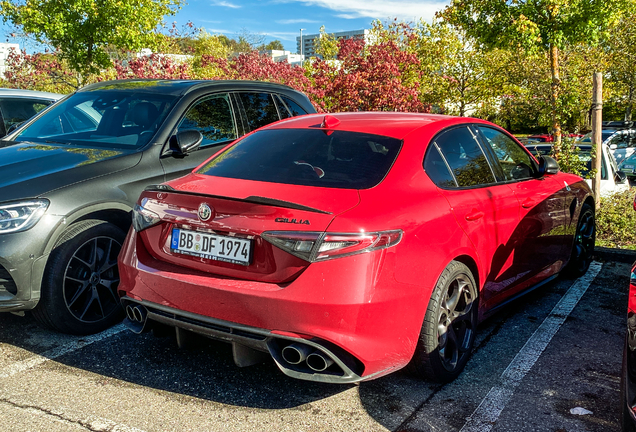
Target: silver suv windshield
{"points": [[102, 118]]}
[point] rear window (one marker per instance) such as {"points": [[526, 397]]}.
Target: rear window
{"points": [[308, 157]]}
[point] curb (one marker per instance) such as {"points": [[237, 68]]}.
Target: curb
{"points": [[627, 256]]}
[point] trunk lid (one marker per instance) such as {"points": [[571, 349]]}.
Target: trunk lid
{"points": [[226, 218]]}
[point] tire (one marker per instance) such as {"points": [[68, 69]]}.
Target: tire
{"points": [[627, 422], [584, 239], [450, 323], [79, 287]]}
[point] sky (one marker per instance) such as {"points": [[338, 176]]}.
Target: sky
{"points": [[283, 19]]}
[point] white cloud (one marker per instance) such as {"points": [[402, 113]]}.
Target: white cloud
{"points": [[296, 21], [225, 4], [381, 9], [219, 31], [287, 36]]}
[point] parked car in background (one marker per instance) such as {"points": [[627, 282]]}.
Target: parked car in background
{"points": [[612, 178], [628, 167], [620, 137], [71, 176], [540, 138], [17, 106], [348, 246], [545, 138]]}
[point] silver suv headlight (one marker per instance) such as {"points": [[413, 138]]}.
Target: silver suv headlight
{"points": [[21, 215]]}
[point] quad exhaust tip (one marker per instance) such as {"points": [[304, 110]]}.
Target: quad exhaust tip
{"points": [[298, 353], [318, 362], [137, 318]]}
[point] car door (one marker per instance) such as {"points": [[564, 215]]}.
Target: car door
{"points": [[215, 117], [487, 211], [538, 244]]}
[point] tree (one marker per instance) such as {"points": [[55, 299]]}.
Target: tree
{"points": [[80, 30], [41, 71], [326, 45], [457, 76], [383, 76], [546, 26], [273, 45], [621, 47]]}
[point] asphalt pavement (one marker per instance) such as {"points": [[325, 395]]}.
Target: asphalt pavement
{"points": [[557, 349]]}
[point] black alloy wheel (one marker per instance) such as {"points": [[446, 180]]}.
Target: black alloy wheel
{"points": [[79, 290], [91, 279], [450, 324]]}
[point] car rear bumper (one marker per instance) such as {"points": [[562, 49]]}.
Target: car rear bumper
{"points": [[350, 310]]}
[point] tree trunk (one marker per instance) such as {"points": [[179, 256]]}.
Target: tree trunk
{"points": [[630, 102], [554, 97]]}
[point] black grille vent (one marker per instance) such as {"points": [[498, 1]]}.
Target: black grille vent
{"points": [[209, 325], [6, 282]]}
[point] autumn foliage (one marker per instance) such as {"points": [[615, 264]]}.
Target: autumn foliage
{"points": [[377, 77]]}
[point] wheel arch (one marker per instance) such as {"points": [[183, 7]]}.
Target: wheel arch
{"points": [[119, 214], [469, 262], [590, 201]]}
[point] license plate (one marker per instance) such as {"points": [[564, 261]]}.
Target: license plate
{"points": [[211, 246], [628, 166]]}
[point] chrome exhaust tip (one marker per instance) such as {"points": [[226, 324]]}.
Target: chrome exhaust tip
{"points": [[139, 313], [137, 321], [318, 362], [296, 353], [129, 313]]}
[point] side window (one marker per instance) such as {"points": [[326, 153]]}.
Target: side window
{"points": [[621, 139], [259, 108], [464, 156], [293, 109], [212, 116], [436, 168], [515, 162], [18, 110]]}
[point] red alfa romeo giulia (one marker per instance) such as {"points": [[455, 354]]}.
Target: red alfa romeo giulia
{"points": [[348, 246]]}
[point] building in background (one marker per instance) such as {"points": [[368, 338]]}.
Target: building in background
{"points": [[309, 41], [280, 56], [5, 49]]}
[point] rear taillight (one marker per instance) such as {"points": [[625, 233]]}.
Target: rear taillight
{"points": [[143, 218], [315, 246]]}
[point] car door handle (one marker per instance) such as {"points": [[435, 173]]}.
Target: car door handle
{"points": [[474, 215], [528, 203]]}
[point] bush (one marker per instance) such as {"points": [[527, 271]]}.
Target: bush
{"points": [[616, 221]]}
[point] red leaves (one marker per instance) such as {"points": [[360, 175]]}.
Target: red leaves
{"points": [[378, 77], [156, 66]]}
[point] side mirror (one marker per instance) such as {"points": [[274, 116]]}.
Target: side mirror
{"points": [[613, 146], [547, 165], [185, 142], [620, 177]]}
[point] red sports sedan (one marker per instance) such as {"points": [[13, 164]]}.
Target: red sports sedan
{"points": [[348, 246]]}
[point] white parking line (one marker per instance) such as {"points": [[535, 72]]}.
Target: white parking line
{"points": [[54, 353], [484, 417]]}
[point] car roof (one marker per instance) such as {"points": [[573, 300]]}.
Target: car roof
{"points": [[181, 87], [386, 123], [6, 92]]}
